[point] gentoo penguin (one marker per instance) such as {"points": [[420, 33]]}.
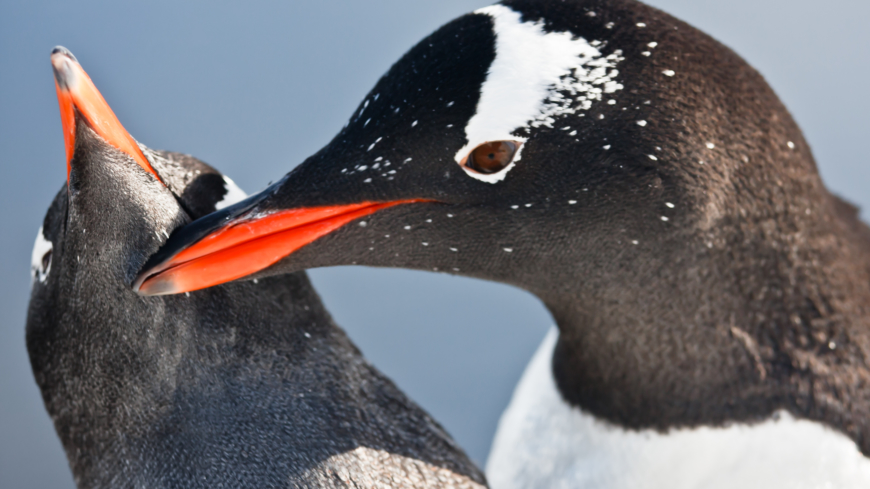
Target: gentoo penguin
{"points": [[244, 385], [712, 297]]}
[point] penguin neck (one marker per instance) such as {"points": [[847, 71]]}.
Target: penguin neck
{"points": [[756, 315]]}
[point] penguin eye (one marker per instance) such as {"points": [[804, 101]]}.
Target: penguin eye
{"points": [[491, 157], [46, 261]]}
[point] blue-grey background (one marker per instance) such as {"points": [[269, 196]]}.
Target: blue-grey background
{"points": [[255, 87]]}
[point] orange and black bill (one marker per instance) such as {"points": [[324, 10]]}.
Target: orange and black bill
{"points": [[239, 241], [80, 101]]}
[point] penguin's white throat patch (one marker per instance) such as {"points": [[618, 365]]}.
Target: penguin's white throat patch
{"points": [[536, 78]]}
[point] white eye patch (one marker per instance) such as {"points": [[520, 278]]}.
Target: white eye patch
{"points": [[40, 259], [234, 194], [536, 77]]}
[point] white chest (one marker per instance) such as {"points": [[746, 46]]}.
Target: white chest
{"points": [[542, 442]]}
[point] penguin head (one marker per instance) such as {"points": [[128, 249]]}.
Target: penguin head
{"points": [[121, 202], [572, 137]]}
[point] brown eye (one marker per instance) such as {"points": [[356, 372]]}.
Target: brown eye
{"points": [[492, 157]]}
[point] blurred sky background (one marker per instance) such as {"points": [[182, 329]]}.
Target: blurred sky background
{"points": [[254, 87]]}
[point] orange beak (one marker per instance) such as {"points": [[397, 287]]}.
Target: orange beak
{"points": [[77, 93], [226, 250]]}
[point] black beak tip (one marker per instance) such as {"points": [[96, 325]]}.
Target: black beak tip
{"points": [[59, 63], [64, 51]]}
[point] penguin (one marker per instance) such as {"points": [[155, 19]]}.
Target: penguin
{"points": [[711, 296], [243, 385]]}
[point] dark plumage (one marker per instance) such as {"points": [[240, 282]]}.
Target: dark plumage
{"points": [[676, 226], [247, 385]]}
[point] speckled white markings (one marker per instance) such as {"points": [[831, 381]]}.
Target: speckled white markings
{"points": [[653, 44], [536, 77], [711, 146], [790, 145], [669, 73], [39, 270], [544, 442], [653, 157], [641, 123], [234, 194], [372, 146]]}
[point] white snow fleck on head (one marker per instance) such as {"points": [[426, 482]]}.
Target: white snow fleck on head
{"points": [[234, 194], [710, 146], [653, 157], [641, 25], [527, 83], [646, 53], [790, 145], [653, 44], [669, 73], [641, 123], [40, 267]]}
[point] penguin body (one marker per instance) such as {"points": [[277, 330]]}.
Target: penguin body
{"points": [[542, 441], [640, 179], [249, 385]]}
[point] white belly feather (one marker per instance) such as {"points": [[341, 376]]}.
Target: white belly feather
{"points": [[542, 442]]}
